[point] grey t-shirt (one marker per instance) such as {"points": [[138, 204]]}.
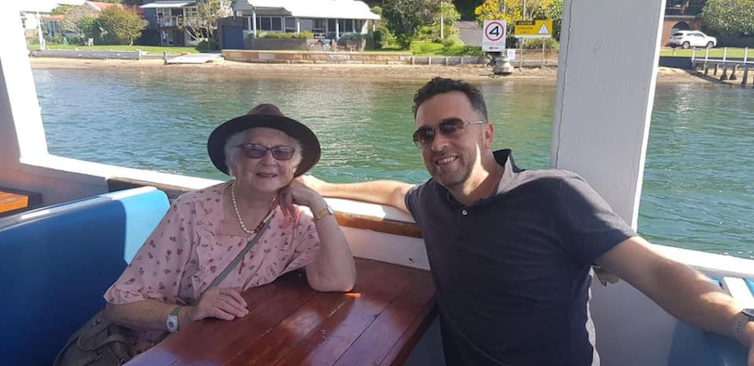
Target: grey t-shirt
{"points": [[512, 270]]}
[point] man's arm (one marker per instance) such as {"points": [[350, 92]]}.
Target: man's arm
{"points": [[677, 288], [383, 192]]}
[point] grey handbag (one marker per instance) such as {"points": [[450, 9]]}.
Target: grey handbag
{"points": [[100, 342]]}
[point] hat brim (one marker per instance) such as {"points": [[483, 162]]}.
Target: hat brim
{"points": [[291, 127]]}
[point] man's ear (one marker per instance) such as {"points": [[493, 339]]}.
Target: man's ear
{"points": [[489, 135]]}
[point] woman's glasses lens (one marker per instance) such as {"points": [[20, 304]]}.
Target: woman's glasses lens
{"points": [[256, 151]]}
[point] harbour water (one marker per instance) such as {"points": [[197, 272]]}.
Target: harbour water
{"points": [[698, 184]]}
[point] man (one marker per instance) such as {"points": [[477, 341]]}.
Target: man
{"points": [[511, 250]]}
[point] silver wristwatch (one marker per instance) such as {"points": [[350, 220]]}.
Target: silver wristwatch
{"points": [[172, 321], [744, 317]]}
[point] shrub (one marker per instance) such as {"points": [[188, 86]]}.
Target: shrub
{"points": [[452, 41], [464, 50], [205, 45], [536, 44], [426, 48], [283, 35], [384, 38]]}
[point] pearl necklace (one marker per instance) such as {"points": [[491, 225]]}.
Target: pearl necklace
{"points": [[238, 213]]}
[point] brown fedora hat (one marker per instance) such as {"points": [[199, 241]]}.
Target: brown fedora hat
{"points": [[269, 116]]}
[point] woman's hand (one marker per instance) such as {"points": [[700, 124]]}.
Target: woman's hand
{"points": [[221, 303], [299, 194]]}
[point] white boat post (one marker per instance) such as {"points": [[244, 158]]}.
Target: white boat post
{"points": [[601, 122]]}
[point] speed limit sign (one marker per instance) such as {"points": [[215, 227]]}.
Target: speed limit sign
{"points": [[493, 36]]}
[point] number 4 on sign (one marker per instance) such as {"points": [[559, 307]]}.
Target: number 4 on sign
{"points": [[495, 31]]}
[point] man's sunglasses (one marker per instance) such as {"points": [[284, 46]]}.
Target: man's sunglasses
{"points": [[451, 127], [256, 151]]}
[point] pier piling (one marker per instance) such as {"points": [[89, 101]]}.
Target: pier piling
{"points": [[733, 76], [724, 76], [745, 79], [715, 72]]}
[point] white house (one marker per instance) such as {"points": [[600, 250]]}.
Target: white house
{"points": [[33, 11], [328, 18]]}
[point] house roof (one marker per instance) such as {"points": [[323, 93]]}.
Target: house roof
{"points": [[326, 9], [53, 18], [168, 4]]}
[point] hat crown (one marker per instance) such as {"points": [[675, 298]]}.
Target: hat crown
{"points": [[268, 109]]}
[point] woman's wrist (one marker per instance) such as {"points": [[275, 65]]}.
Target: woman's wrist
{"points": [[318, 204]]}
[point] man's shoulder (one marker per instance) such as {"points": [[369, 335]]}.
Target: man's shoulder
{"points": [[547, 178]]}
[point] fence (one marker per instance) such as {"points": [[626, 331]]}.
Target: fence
{"points": [[735, 64]]}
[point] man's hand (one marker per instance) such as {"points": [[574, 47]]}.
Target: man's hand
{"points": [[749, 341], [312, 182], [220, 303]]}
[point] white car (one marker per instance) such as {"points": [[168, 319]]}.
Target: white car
{"points": [[687, 39]]}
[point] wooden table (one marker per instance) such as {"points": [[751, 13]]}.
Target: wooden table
{"points": [[13, 201], [291, 324]]}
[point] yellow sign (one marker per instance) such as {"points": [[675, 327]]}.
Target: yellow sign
{"points": [[534, 28]]}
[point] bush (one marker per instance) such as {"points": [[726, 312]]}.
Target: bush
{"points": [[205, 45], [452, 41], [426, 48], [283, 35], [536, 44], [384, 38], [464, 50]]}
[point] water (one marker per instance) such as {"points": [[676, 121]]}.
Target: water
{"points": [[698, 187]]}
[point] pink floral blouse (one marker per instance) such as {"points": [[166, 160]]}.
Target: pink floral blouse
{"points": [[187, 251]]}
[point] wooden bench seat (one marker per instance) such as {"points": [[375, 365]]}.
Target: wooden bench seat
{"points": [[291, 324]]}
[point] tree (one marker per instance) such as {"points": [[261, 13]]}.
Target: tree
{"points": [[120, 26], [466, 8], [204, 24], [729, 18], [72, 20], [555, 12], [405, 17], [62, 9]]}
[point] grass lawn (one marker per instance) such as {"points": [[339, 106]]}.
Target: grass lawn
{"points": [[713, 53], [149, 49]]}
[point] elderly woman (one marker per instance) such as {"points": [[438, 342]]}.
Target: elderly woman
{"points": [[167, 285]]}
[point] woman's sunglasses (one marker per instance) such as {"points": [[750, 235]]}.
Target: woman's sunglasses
{"points": [[451, 127], [256, 151]]}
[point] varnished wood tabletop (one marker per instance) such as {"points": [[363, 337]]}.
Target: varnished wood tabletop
{"points": [[291, 324], [10, 202]]}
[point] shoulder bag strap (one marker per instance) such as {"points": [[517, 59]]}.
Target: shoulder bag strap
{"points": [[240, 255]]}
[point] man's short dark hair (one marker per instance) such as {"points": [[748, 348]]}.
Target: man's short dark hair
{"points": [[440, 85]]}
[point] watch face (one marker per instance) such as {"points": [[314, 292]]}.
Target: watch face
{"points": [[748, 312]]}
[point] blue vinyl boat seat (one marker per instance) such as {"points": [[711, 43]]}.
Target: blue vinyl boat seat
{"points": [[56, 262], [692, 346]]}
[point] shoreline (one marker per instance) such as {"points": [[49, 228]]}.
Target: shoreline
{"points": [[360, 71]]}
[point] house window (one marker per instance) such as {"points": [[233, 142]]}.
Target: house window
{"points": [[274, 24], [319, 26], [290, 24], [358, 25]]}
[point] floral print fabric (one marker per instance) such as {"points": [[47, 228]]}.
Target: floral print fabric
{"points": [[187, 251]]}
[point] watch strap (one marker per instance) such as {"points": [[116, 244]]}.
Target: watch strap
{"points": [[327, 210], [741, 320]]}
